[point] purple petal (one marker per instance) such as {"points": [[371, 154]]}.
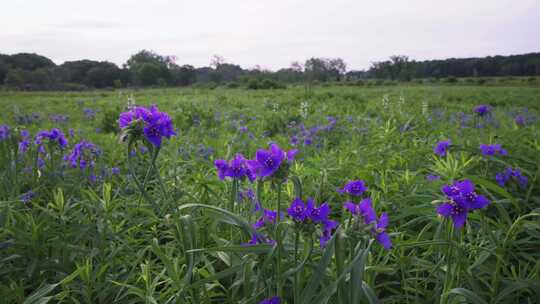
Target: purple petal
{"points": [[445, 209], [384, 239]]}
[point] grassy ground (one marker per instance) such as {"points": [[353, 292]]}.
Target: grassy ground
{"points": [[97, 238]]}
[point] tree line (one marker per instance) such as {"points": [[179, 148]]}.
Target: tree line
{"points": [[28, 71]]}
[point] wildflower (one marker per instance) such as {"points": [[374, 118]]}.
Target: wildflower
{"points": [[328, 227], [520, 120], [491, 150], [267, 162], [4, 132], [432, 177], [54, 135], [354, 188], [272, 300], [482, 110], [297, 210], [508, 174], [380, 231], [268, 217], [317, 214], [461, 199], [27, 197], [83, 155], [24, 144], [115, 171], [256, 239], [236, 168], [442, 147], [155, 124], [363, 209]]}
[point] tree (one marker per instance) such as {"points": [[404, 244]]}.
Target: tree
{"points": [[146, 64]]}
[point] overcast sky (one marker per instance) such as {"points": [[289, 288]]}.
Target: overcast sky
{"points": [[269, 33]]}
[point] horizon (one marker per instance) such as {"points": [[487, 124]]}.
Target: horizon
{"points": [[271, 36]]}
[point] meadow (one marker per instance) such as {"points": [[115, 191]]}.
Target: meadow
{"points": [[419, 193]]}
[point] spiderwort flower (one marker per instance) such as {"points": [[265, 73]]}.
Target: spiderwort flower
{"points": [[297, 210], [380, 231], [27, 197], [354, 188], [432, 177], [268, 162], [461, 200], [520, 120], [256, 239], [272, 300], [83, 155], [317, 214], [154, 124], [442, 147], [482, 110], [54, 135], [268, 217], [236, 168], [363, 209], [508, 174], [24, 144], [4, 132], [492, 150]]}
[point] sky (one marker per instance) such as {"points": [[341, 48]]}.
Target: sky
{"points": [[271, 34]]}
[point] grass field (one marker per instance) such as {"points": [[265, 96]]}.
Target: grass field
{"points": [[140, 224]]}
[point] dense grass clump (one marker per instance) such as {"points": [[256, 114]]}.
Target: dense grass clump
{"points": [[341, 194]]}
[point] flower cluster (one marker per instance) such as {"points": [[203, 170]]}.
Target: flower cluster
{"points": [[482, 110], [89, 113], [309, 135], [508, 174], [155, 124], [24, 144], [492, 150], [55, 136], [59, 118], [307, 213], [83, 155], [364, 210], [4, 132], [268, 162], [236, 168], [462, 199], [354, 188], [272, 300], [441, 148]]}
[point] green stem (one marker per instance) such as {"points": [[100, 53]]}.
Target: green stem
{"points": [[448, 277], [296, 275], [278, 242], [137, 182]]}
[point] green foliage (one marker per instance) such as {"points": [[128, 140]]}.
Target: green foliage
{"points": [[179, 236]]}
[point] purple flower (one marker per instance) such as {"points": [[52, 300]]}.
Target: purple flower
{"points": [[272, 300], [363, 209], [354, 188], [380, 231], [267, 162], [268, 217], [27, 197], [432, 177], [317, 215], [256, 239], [54, 135], [4, 132], [83, 155], [508, 174], [462, 199], [297, 210], [328, 226], [520, 120], [491, 150], [236, 168], [115, 171], [482, 110], [156, 124], [442, 147]]}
